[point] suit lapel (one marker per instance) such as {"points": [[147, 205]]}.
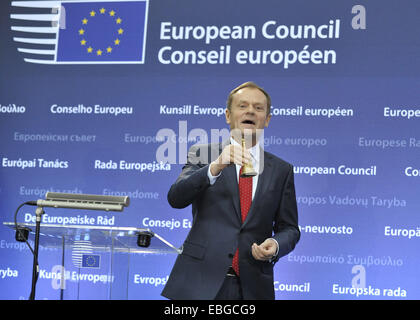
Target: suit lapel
{"points": [[230, 182], [264, 178], [233, 188]]}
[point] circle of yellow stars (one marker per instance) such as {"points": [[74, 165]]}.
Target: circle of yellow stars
{"points": [[82, 32]]}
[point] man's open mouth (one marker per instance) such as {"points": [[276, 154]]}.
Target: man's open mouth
{"points": [[248, 122]]}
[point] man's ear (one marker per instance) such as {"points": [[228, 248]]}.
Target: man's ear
{"points": [[227, 115], [267, 120]]}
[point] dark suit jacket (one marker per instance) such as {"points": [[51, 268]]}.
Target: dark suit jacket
{"points": [[217, 230]]}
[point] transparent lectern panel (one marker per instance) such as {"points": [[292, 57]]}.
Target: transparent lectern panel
{"points": [[89, 262]]}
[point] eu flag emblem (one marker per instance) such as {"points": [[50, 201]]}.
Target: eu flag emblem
{"points": [[88, 32], [91, 260]]}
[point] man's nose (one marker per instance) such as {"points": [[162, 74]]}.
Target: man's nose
{"points": [[250, 110]]}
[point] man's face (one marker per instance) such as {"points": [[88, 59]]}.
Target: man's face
{"points": [[248, 111]]}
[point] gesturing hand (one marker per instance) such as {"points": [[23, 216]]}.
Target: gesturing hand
{"points": [[265, 251], [230, 154]]}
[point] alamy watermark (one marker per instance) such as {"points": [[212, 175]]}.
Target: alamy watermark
{"points": [[174, 147]]}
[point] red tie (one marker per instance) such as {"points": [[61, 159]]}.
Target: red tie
{"points": [[245, 196]]}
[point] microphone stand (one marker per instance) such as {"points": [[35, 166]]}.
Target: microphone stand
{"points": [[35, 267]]}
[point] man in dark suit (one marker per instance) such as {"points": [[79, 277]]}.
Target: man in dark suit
{"points": [[241, 226]]}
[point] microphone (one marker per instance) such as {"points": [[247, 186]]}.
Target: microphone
{"points": [[82, 201]]}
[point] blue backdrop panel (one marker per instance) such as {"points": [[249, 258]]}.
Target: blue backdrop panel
{"points": [[88, 92]]}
